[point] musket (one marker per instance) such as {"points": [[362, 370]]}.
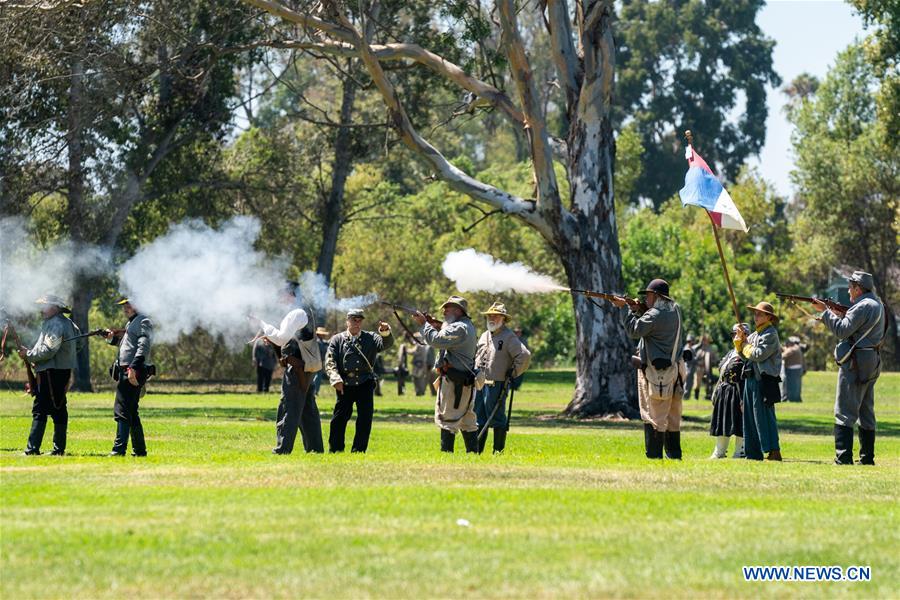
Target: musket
{"points": [[428, 318], [610, 297], [831, 304], [102, 331]]}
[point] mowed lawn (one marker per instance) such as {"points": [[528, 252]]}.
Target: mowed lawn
{"points": [[572, 509]]}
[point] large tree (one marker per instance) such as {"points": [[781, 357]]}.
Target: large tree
{"points": [[106, 102], [702, 65], [579, 225]]}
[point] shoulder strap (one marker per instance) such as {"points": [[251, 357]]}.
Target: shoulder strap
{"points": [[864, 336], [677, 333]]}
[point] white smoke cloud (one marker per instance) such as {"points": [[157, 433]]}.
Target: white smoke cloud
{"points": [[198, 278], [476, 272], [28, 271], [314, 292]]}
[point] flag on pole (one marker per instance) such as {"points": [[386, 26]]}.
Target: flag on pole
{"points": [[702, 188]]}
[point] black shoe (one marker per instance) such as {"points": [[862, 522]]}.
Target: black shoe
{"points": [[58, 453], [116, 454], [139, 455], [843, 445], [471, 440], [499, 440], [447, 440], [31, 453], [673, 444], [866, 446]]}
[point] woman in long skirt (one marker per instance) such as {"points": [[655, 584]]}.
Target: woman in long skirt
{"points": [[727, 419]]}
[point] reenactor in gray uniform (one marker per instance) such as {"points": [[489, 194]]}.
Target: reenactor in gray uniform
{"points": [[422, 371], [130, 371], [350, 366], [660, 379], [501, 357], [861, 334], [456, 341], [265, 357], [705, 358], [53, 357]]}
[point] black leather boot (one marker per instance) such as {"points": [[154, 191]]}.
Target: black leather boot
{"points": [[482, 442], [648, 439], [35, 437], [673, 445], [447, 439], [657, 441], [120, 445], [471, 440], [866, 446], [843, 445], [499, 439]]}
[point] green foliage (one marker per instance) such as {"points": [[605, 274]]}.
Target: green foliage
{"points": [[848, 179], [692, 65], [883, 52]]}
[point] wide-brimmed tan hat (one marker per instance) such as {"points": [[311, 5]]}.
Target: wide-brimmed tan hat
{"points": [[457, 301], [497, 308], [765, 307], [322, 331], [53, 300]]}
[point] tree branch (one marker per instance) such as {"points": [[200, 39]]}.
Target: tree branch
{"points": [[454, 177], [567, 62], [403, 51], [548, 203]]}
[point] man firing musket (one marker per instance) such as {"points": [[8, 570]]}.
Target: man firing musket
{"points": [[860, 329]]}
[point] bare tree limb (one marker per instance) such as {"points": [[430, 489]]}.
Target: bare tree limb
{"points": [[548, 203], [403, 51], [567, 62], [446, 171]]}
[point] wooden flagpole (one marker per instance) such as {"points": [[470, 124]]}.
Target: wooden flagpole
{"points": [[734, 305]]}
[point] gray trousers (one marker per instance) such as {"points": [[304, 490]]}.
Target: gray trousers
{"points": [[855, 402]]}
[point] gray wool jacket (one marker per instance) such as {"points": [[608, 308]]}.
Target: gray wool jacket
{"points": [[51, 351], [866, 314], [134, 344], [456, 342], [764, 352], [658, 331]]}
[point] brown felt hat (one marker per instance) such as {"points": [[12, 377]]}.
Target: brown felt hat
{"points": [[765, 307]]}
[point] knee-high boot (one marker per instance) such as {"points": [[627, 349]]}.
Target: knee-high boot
{"points": [[471, 440], [843, 445], [657, 441], [673, 444], [500, 439], [866, 446], [447, 440]]}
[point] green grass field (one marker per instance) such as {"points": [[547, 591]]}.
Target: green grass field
{"points": [[571, 509]]}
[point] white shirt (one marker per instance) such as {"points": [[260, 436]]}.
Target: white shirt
{"points": [[294, 320]]}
